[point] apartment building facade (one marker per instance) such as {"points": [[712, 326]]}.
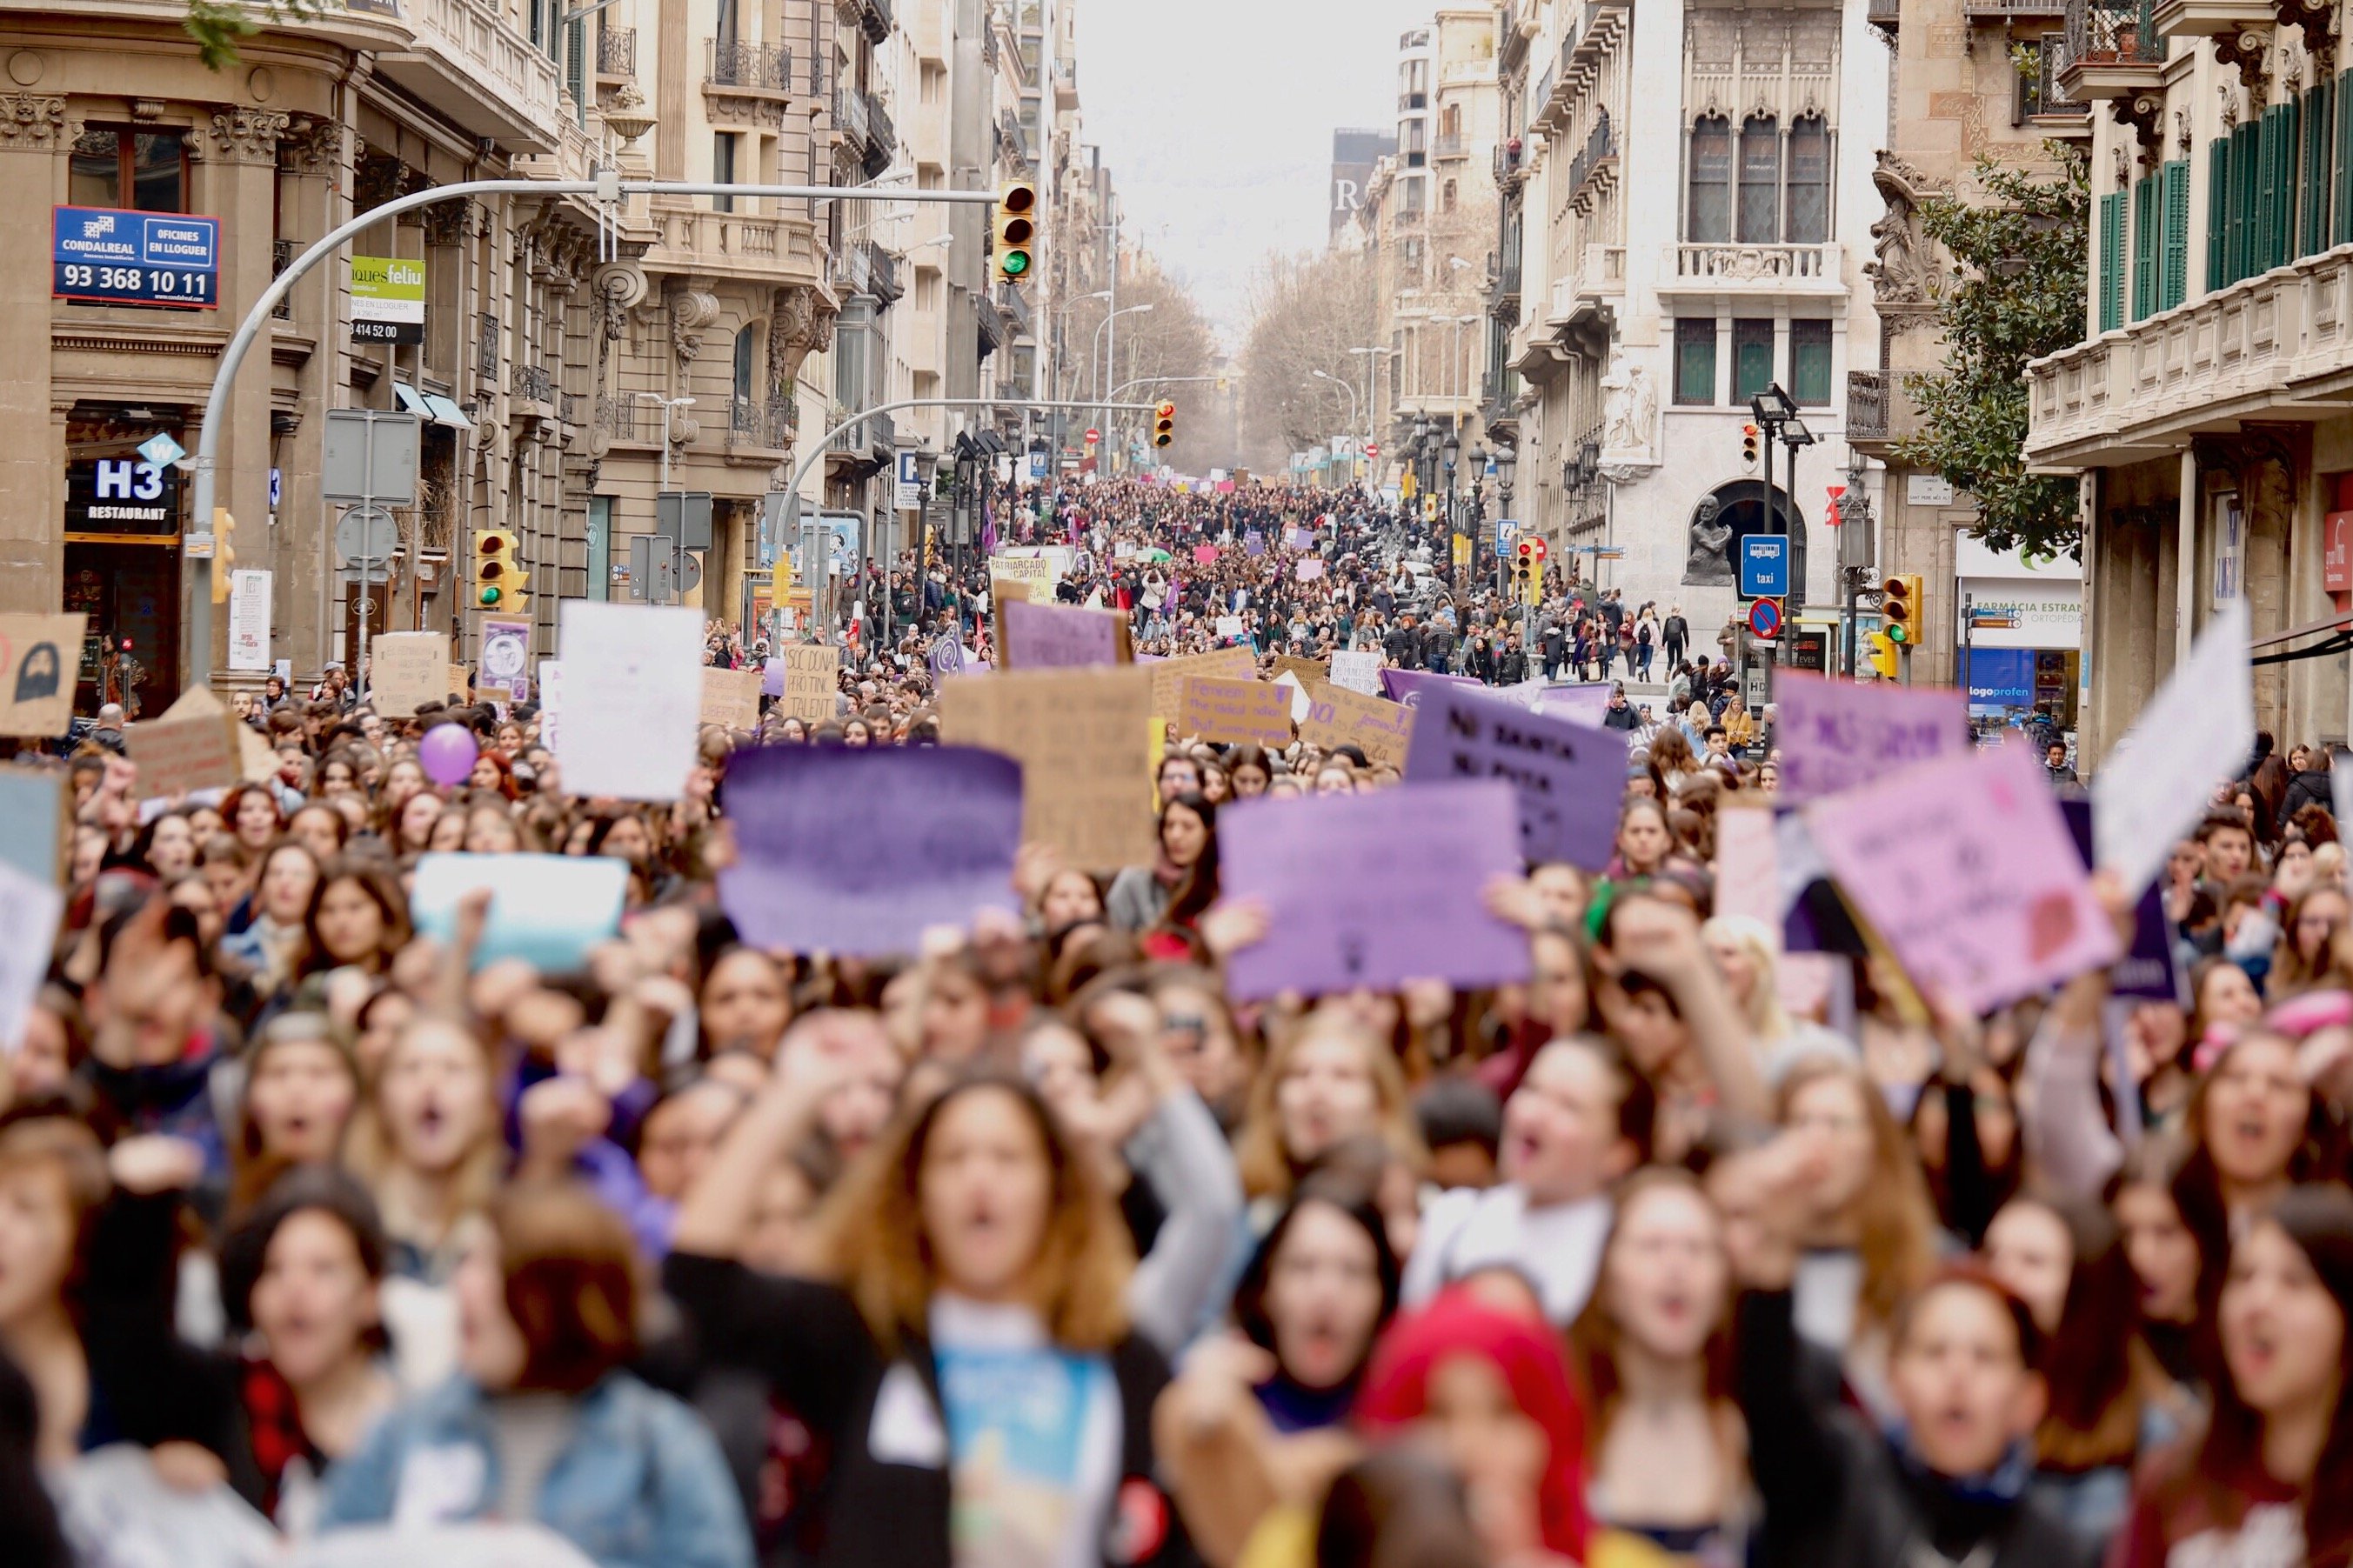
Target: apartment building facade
{"points": [[2205, 413], [1630, 332]]}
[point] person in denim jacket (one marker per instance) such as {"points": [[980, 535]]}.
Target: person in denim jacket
{"points": [[542, 1424]]}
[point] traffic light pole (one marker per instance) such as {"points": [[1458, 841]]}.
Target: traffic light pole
{"points": [[608, 188]]}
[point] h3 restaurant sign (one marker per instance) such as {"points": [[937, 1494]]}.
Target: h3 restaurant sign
{"points": [[101, 256], [387, 299]]}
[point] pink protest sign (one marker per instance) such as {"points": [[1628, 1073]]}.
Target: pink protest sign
{"points": [[1205, 555], [1964, 866], [1835, 735], [1310, 568]]}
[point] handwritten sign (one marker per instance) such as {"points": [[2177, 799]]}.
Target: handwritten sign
{"points": [[1374, 890], [1567, 777], [1037, 570], [406, 670], [1083, 738], [461, 683], [811, 683], [731, 698], [189, 750], [38, 657], [1168, 674], [2197, 733], [551, 701], [1994, 904], [1035, 635], [1335, 717], [1306, 669], [859, 852], [1835, 735], [1234, 710], [1360, 671], [633, 686]]}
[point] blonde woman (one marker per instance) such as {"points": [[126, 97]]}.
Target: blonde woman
{"points": [[1748, 958], [1328, 1082]]}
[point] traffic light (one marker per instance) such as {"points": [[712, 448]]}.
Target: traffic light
{"points": [[1883, 655], [1748, 443], [1899, 610], [1016, 230], [1164, 423], [1523, 568], [223, 553], [498, 577]]}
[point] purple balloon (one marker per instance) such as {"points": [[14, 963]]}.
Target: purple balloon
{"points": [[447, 753]]}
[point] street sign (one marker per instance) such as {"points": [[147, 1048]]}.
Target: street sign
{"points": [[1506, 528], [162, 451], [369, 455], [1094, 436], [1764, 565], [1372, 449], [684, 516], [1765, 618], [365, 536], [277, 488], [911, 483], [1756, 687], [103, 256], [387, 299]]}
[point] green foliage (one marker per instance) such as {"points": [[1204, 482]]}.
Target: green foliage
{"points": [[219, 26], [2015, 292]]}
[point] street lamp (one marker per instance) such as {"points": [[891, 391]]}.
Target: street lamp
{"points": [[667, 404], [1105, 421]]}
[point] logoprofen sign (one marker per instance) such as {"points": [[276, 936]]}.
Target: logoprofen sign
{"points": [[102, 255]]}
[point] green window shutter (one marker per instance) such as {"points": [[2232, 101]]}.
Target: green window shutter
{"points": [[2291, 137], [2267, 194], [2246, 182], [2340, 229], [2144, 248], [2312, 195], [2111, 262], [2174, 274], [2218, 213]]}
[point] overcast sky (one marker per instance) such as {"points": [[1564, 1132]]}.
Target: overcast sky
{"points": [[1216, 118]]}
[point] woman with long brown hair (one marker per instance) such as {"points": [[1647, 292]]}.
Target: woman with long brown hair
{"points": [[1326, 1081], [971, 1257]]}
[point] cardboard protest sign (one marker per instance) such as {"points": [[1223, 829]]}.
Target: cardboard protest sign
{"points": [[461, 683], [1035, 635], [1995, 904], [546, 909], [731, 698], [1307, 669], [36, 823], [859, 852], [2197, 733], [1037, 570], [193, 746], [1748, 873], [1374, 890], [1168, 674], [1231, 711], [810, 682], [633, 686], [38, 657], [1358, 672], [1083, 738], [406, 670], [1567, 777], [1835, 735], [1381, 729]]}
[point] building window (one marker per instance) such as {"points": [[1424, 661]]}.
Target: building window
{"points": [[1696, 361], [1809, 182], [1409, 264], [1410, 201], [1710, 220], [1752, 359], [746, 348], [1760, 181], [1447, 198], [139, 171], [1809, 362], [722, 168]]}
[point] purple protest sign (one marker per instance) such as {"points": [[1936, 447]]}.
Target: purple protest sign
{"points": [[1407, 686], [859, 852], [1993, 902], [1568, 777], [1253, 543], [1310, 568], [1834, 735], [1374, 890], [772, 678], [1057, 636]]}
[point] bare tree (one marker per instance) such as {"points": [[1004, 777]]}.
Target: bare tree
{"points": [[1307, 312], [1157, 351]]}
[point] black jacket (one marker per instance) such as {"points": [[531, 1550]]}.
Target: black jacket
{"points": [[807, 1340], [2307, 788], [1836, 1495]]}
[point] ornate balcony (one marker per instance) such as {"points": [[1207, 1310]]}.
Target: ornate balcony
{"points": [[465, 60], [617, 53], [2278, 346], [1734, 268], [761, 424], [2113, 49]]}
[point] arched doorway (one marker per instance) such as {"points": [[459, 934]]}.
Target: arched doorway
{"points": [[1730, 513]]}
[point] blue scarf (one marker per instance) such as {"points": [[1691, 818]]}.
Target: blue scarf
{"points": [[2005, 1483]]}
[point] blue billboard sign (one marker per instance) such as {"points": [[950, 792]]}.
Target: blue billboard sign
{"points": [[101, 256]]}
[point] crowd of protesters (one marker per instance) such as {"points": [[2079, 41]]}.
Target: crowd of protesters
{"points": [[1035, 1247]]}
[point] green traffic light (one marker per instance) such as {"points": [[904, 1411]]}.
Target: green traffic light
{"points": [[1016, 263], [1896, 634], [489, 595]]}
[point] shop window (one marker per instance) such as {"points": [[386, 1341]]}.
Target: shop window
{"points": [[140, 170]]}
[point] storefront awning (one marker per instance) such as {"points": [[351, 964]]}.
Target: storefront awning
{"points": [[431, 406]]}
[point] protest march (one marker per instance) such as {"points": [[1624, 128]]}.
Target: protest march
{"points": [[1189, 1031]]}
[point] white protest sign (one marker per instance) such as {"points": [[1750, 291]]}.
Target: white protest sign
{"points": [[1360, 671], [2197, 732], [551, 687], [633, 688], [29, 908]]}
